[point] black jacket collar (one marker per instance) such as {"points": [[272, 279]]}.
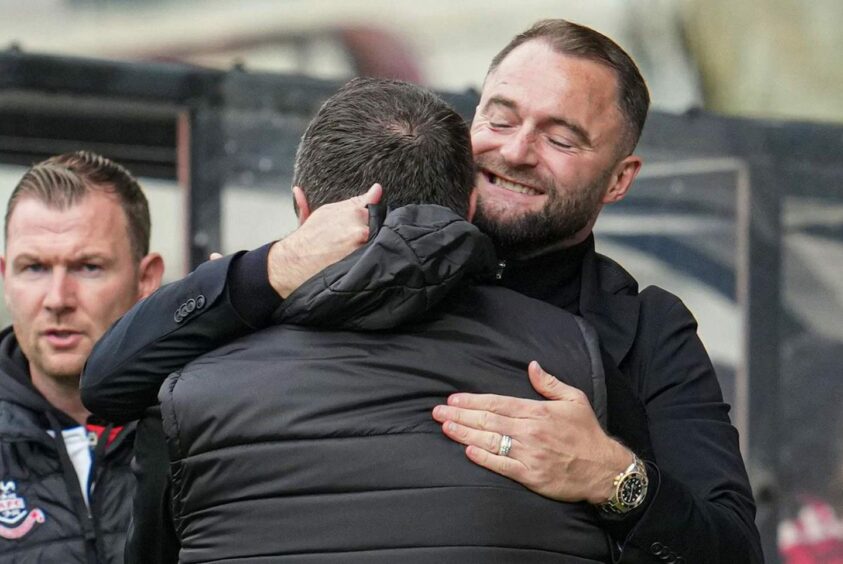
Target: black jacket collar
{"points": [[608, 301], [417, 257]]}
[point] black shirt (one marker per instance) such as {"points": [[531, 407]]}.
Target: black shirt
{"points": [[554, 277]]}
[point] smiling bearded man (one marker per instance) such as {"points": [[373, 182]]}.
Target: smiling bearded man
{"points": [[565, 213]]}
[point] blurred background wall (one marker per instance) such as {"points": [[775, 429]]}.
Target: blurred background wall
{"points": [[758, 58], [771, 58]]}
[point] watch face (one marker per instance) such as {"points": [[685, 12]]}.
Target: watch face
{"points": [[632, 490]]}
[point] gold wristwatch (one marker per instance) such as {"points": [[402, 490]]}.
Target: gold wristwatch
{"points": [[630, 489]]}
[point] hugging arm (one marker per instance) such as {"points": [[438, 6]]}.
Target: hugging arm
{"points": [[699, 505], [221, 300], [173, 326]]}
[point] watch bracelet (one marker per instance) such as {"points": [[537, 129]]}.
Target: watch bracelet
{"points": [[614, 505]]}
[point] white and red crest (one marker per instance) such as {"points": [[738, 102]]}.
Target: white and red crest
{"points": [[15, 520]]}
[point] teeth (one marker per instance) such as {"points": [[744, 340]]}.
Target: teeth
{"points": [[513, 187]]}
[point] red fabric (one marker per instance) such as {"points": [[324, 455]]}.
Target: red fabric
{"points": [[100, 429], [814, 536]]}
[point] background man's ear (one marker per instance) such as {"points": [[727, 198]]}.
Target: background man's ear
{"points": [[3, 274], [150, 273], [302, 207]]}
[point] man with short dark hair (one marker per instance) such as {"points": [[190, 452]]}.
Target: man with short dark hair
{"points": [[76, 258], [560, 113], [410, 142]]}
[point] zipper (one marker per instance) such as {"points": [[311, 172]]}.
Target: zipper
{"points": [[501, 267], [87, 520], [99, 445]]}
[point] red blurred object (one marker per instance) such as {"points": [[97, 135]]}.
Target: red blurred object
{"points": [[370, 51], [813, 536], [378, 53]]}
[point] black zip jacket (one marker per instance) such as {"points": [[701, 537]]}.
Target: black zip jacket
{"points": [[323, 447], [43, 517]]}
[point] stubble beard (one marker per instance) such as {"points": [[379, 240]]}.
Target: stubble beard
{"points": [[63, 372], [567, 211]]}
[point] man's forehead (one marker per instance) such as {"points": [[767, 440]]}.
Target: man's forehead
{"points": [[537, 65], [94, 201], [95, 221], [538, 82]]}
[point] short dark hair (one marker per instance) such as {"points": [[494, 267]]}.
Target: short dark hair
{"points": [[64, 180], [568, 38], [395, 133]]}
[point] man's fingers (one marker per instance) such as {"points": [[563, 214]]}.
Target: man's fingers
{"points": [[373, 195], [502, 405], [483, 448], [549, 386], [503, 465], [215, 256], [486, 440], [480, 420]]}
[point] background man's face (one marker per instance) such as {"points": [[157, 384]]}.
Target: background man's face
{"points": [[67, 276], [545, 139]]}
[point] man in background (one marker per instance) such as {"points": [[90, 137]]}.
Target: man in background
{"points": [[76, 258]]}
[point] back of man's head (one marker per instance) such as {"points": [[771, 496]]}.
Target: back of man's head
{"points": [[394, 133], [65, 180]]}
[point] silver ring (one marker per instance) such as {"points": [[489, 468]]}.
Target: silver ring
{"points": [[506, 445]]}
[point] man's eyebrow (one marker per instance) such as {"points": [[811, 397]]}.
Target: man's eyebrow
{"points": [[579, 132], [90, 257], [501, 101], [75, 259], [26, 257]]}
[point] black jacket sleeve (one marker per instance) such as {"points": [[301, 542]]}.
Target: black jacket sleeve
{"points": [[218, 302], [701, 509]]}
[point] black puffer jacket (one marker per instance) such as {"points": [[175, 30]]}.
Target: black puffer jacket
{"points": [[304, 444], [43, 517]]}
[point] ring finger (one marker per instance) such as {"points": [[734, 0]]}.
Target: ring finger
{"points": [[487, 440]]}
